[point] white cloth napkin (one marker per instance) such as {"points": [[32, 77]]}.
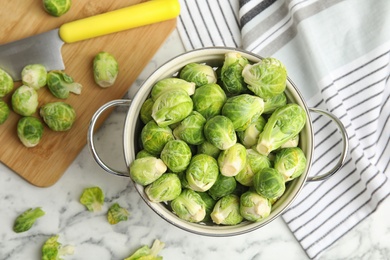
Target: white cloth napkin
{"points": [[338, 52]]}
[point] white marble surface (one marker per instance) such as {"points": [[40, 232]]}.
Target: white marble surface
{"points": [[94, 238]]}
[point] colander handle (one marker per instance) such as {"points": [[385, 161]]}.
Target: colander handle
{"points": [[344, 151], [90, 140]]}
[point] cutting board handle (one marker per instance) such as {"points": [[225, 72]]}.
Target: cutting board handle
{"points": [[145, 13]]}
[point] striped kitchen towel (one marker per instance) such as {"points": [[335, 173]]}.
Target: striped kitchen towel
{"points": [[338, 53]]}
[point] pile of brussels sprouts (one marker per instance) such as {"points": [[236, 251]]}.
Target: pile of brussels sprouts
{"points": [[218, 145]]}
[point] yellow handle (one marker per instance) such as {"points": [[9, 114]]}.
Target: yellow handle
{"points": [[145, 13]]}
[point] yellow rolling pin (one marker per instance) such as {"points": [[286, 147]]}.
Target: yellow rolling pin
{"points": [[145, 13]]}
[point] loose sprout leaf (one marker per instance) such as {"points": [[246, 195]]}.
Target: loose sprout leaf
{"points": [[92, 198], [53, 250], [27, 219], [116, 214], [148, 253]]}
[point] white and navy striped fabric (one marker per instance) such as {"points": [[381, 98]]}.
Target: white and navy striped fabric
{"points": [[338, 53]]}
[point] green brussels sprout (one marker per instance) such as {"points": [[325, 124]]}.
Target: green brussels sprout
{"points": [[200, 74], [293, 142], [219, 131], [105, 69], [147, 253], [34, 75], [146, 170], [266, 78], [61, 84], [227, 211], [165, 188], [176, 155], [53, 250], [172, 107], [154, 137], [169, 84], [209, 205], [250, 135], [57, 7], [232, 160], [231, 73], [222, 187], [146, 111], [254, 207], [29, 131], [209, 149], [284, 123], [272, 103], [4, 112], [269, 183], [183, 180], [116, 214], [254, 163], [59, 116], [189, 206], [209, 100], [142, 154], [290, 162], [6, 83], [92, 198], [202, 172], [25, 101], [190, 130], [27, 219], [242, 109]]}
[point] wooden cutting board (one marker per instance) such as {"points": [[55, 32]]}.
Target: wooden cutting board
{"points": [[44, 164]]}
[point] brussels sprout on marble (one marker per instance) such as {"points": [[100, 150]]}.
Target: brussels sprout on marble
{"points": [[57, 7], [54, 250], [146, 170], [223, 186], [250, 135], [92, 198], [61, 84], [165, 188], [200, 74], [34, 75], [231, 73], [267, 78], [189, 206], [219, 131], [168, 84], [190, 129], [26, 220], [227, 211], [209, 100], [116, 214], [176, 155], [155, 137], [148, 253], [4, 112], [59, 116], [254, 207], [25, 101], [269, 183], [6, 83], [202, 172], [105, 69], [290, 162], [232, 160], [30, 131]]}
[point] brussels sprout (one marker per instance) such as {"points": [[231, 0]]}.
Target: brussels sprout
{"points": [[250, 135], [209, 149], [61, 84], [242, 109], [146, 111], [222, 187], [254, 163], [30, 131], [116, 214], [190, 129], [284, 123], [293, 142], [232, 160], [209, 205], [165, 188], [202, 172], [231, 73], [142, 154], [200, 74], [6, 83], [209, 100], [154, 137], [272, 103], [227, 211], [290, 162], [105, 69], [169, 84], [183, 180], [25, 100], [4, 112], [266, 78], [27, 219], [219, 131], [53, 250], [57, 7], [59, 116], [34, 75], [172, 107], [254, 207], [146, 253], [176, 155], [269, 183], [92, 198], [189, 206], [146, 170]]}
